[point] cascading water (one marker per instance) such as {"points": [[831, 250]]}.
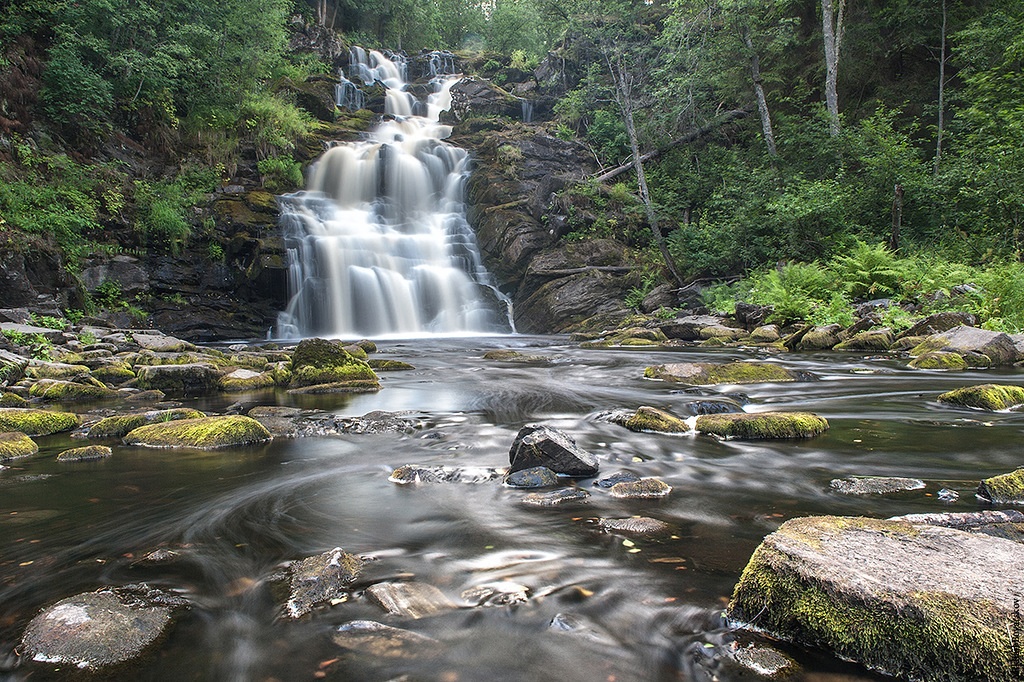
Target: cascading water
{"points": [[379, 243]]}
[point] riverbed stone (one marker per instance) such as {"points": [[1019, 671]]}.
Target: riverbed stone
{"points": [[191, 378], [688, 328], [96, 630], [161, 343], [206, 433], [410, 599], [325, 364], [539, 445], [39, 369], [380, 365], [877, 340], [243, 379], [634, 525], [69, 391], [875, 485], [508, 355], [1003, 489], [34, 422], [998, 347], [652, 419], [320, 579], [985, 396], [380, 641], [708, 374], [534, 477], [12, 366], [768, 333], [617, 477], [940, 322], [501, 593], [556, 497], [762, 425], [415, 473], [15, 445], [645, 488], [121, 425], [765, 661], [917, 601], [88, 453], [8, 399], [939, 359], [820, 338]]}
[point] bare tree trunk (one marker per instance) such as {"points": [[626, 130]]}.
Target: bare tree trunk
{"points": [[942, 93], [897, 216], [762, 102], [832, 32]]}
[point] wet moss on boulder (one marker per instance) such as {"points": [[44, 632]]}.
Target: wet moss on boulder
{"points": [[843, 584], [648, 418], [321, 366], [870, 340], [207, 433], [69, 391], [34, 422], [190, 378], [113, 373], [707, 374], [1003, 489], [8, 399], [939, 360], [89, 453], [121, 425], [246, 380], [985, 396], [389, 365], [15, 444], [763, 425]]}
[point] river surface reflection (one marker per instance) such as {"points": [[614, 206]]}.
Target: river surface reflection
{"points": [[600, 608]]}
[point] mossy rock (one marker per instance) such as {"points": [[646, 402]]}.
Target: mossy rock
{"points": [[246, 380], [509, 355], [349, 386], [114, 374], [8, 399], [367, 345], [939, 359], [652, 419], [630, 336], [919, 602], [55, 370], [871, 340], [318, 353], [121, 425], [985, 396], [820, 338], [707, 374], [36, 422], [14, 444], [389, 365], [68, 391], [717, 331], [764, 425], [322, 363], [768, 333], [89, 453], [714, 342], [356, 351], [197, 378], [12, 367], [206, 433], [1004, 489]]}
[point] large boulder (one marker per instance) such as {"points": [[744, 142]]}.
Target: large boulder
{"points": [[985, 396], [100, 629], [537, 445], [940, 322], [192, 378], [15, 445], [707, 374], [998, 347], [323, 363], [689, 328], [207, 433], [36, 422], [917, 601], [762, 425]]}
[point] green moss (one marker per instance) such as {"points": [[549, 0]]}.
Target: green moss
{"points": [[389, 365], [353, 386], [356, 351], [120, 425], [88, 453], [763, 425], [196, 378], [1005, 488], [55, 370], [631, 336], [926, 635], [714, 342], [114, 374], [317, 362], [67, 391], [36, 422], [150, 358], [14, 444], [235, 384], [12, 400], [508, 355], [353, 372], [367, 345], [652, 419], [318, 353], [930, 344], [706, 374], [206, 433], [938, 360], [872, 340], [985, 396]]}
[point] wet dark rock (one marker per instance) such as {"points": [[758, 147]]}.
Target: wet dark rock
{"points": [[192, 378], [279, 420], [414, 473], [320, 579], [410, 599], [538, 445], [660, 297], [556, 497], [751, 315], [617, 477], [875, 485], [916, 600], [503, 593], [89, 453], [712, 406], [645, 488], [479, 97], [940, 322], [380, 641], [100, 629], [708, 374], [634, 525], [534, 477], [158, 557], [688, 328], [947, 495], [765, 661], [379, 422]]}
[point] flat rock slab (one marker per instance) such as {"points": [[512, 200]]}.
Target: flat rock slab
{"points": [[875, 485], [634, 525], [410, 600], [99, 629], [320, 579], [414, 473], [708, 374], [162, 344], [918, 601], [537, 445], [556, 497], [377, 640]]}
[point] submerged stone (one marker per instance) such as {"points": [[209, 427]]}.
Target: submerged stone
{"points": [[33, 422], [939, 360], [121, 425], [507, 355], [15, 445], [645, 488], [410, 599], [765, 661], [707, 374], [89, 453], [556, 497], [99, 629], [985, 396], [538, 445], [415, 473], [377, 640], [634, 525], [875, 485], [206, 433], [762, 425], [617, 477], [320, 579], [1004, 489], [652, 419], [917, 601], [67, 391], [534, 477]]}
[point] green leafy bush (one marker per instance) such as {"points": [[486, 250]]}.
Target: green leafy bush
{"points": [[280, 173], [867, 271]]}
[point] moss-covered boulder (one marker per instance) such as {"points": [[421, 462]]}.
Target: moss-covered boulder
{"points": [[768, 333], [985, 396], [190, 378], [918, 601], [509, 355], [246, 380], [54, 370], [69, 391], [998, 347], [870, 340], [113, 373], [15, 444], [36, 422], [89, 453], [121, 425], [706, 374], [631, 336], [8, 399], [206, 433], [321, 366], [1004, 489], [12, 367], [389, 365], [648, 418], [939, 360], [763, 425], [820, 338]]}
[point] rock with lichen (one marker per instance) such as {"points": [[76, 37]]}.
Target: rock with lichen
{"points": [[1004, 489], [871, 340], [914, 600], [57, 390], [120, 425], [193, 378], [875, 485], [985, 396], [762, 425], [939, 359], [707, 374], [205, 433], [997, 347], [644, 488], [88, 453], [322, 366], [33, 422], [15, 445], [652, 419]]}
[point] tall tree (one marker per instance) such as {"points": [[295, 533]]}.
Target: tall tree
{"points": [[832, 17]]}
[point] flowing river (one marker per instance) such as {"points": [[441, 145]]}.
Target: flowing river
{"points": [[601, 606]]}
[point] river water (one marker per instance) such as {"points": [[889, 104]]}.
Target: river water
{"points": [[641, 609]]}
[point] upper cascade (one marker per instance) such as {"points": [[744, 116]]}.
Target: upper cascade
{"points": [[379, 243]]}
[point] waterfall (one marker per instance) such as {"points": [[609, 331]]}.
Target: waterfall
{"points": [[379, 243], [527, 107]]}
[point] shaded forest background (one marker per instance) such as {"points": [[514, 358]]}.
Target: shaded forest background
{"points": [[824, 150]]}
